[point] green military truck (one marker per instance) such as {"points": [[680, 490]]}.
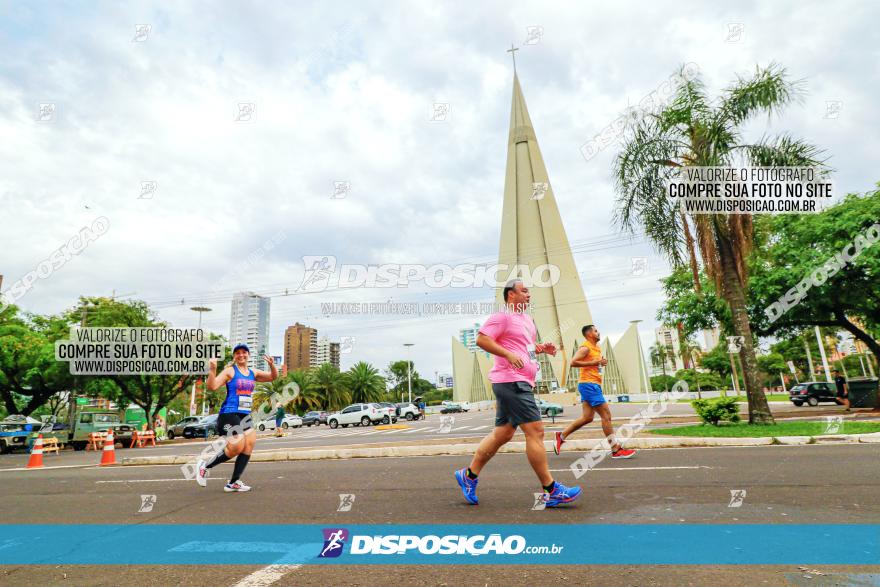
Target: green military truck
{"points": [[87, 422]]}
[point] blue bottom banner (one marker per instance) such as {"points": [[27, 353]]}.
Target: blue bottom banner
{"points": [[431, 544]]}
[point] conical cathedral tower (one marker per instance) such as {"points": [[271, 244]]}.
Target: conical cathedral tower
{"points": [[533, 237], [630, 360]]}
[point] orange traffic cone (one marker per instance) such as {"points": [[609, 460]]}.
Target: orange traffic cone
{"points": [[36, 460], [108, 457]]}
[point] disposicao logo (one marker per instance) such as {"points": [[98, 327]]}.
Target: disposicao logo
{"points": [[334, 541], [470, 545]]}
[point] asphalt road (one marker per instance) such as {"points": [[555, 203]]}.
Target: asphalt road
{"points": [[472, 425], [783, 485]]}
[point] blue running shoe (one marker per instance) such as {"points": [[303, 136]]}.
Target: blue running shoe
{"points": [[468, 486], [562, 494]]}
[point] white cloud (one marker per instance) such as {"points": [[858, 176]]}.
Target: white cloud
{"points": [[344, 94]]}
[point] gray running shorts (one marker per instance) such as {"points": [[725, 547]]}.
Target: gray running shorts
{"points": [[515, 404]]}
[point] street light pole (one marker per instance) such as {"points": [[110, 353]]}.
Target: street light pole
{"points": [[408, 369], [200, 310], [192, 397]]}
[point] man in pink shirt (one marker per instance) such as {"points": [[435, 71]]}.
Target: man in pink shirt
{"points": [[511, 336]]}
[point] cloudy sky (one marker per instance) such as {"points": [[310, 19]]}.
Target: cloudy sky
{"points": [[347, 93]]}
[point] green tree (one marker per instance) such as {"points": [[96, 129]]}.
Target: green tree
{"points": [[664, 382], [331, 386], [309, 397], [365, 383], [396, 376], [694, 309], [29, 374], [263, 401], [149, 392], [694, 131], [708, 381], [796, 247], [717, 361]]}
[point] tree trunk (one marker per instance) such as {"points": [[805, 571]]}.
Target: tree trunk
{"points": [[692, 253], [732, 291]]}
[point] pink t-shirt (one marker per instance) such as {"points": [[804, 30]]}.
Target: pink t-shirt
{"points": [[516, 332]]}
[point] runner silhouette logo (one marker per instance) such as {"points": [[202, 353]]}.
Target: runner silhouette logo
{"points": [[334, 542]]}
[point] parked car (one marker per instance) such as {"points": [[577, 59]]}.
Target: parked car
{"points": [[289, 421], [390, 412], [15, 431], [177, 429], [408, 410], [314, 418], [546, 406], [452, 407], [204, 428], [356, 415], [812, 392], [86, 422]]}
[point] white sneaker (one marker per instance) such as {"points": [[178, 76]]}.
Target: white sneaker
{"points": [[201, 473], [237, 486]]}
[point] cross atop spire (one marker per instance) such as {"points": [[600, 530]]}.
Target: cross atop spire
{"points": [[513, 55]]}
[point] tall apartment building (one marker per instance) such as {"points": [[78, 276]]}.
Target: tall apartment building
{"points": [[668, 337], [300, 347], [249, 324], [711, 337], [327, 352], [468, 337]]}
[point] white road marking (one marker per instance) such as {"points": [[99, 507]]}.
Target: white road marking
{"points": [[156, 480], [266, 576], [52, 467], [636, 468]]}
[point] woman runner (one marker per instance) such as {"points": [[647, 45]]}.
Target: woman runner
{"points": [[234, 420]]}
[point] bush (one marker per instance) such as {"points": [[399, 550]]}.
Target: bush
{"points": [[708, 381], [662, 382], [712, 411]]}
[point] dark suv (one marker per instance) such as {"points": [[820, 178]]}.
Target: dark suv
{"points": [[204, 428], [812, 392], [314, 418]]}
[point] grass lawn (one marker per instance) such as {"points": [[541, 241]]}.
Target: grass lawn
{"points": [[781, 429], [771, 397]]}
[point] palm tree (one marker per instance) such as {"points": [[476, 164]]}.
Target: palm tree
{"points": [[365, 383], [264, 392], [693, 131], [658, 358], [331, 386], [308, 397]]}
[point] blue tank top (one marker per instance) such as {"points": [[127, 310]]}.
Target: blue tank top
{"points": [[239, 393]]}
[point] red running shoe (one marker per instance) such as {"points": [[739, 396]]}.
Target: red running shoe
{"points": [[623, 453], [557, 445]]}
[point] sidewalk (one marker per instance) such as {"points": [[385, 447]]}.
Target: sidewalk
{"points": [[428, 448]]}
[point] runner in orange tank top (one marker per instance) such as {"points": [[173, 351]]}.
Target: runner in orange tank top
{"points": [[589, 358]]}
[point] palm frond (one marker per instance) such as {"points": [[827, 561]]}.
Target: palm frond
{"points": [[689, 103], [768, 90], [649, 159], [784, 151]]}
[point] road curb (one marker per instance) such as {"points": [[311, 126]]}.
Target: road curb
{"points": [[792, 440], [586, 444]]}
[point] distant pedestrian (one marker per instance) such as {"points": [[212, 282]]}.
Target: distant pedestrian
{"points": [[842, 390], [279, 419]]}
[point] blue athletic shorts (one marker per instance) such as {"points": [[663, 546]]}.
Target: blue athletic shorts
{"points": [[591, 393]]}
